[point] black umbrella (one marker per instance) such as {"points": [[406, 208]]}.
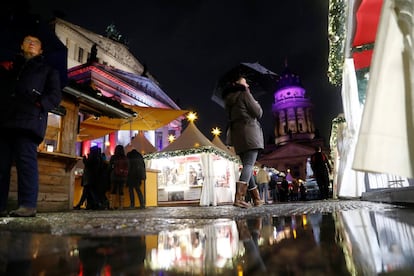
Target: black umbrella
{"points": [[14, 27], [260, 79]]}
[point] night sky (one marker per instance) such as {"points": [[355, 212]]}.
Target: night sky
{"points": [[187, 45]]}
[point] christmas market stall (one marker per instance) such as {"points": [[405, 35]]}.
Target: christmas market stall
{"points": [[142, 118], [194, 171]]}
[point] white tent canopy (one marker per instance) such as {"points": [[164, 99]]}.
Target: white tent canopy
{"points": [[192, 169]]}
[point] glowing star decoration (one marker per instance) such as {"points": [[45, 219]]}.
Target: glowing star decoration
{"points": [[216, 131], [171, 138], [192, 116]]}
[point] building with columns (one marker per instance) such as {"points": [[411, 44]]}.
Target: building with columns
{"points": [[292, 110], [294, 129], [112, 70]]}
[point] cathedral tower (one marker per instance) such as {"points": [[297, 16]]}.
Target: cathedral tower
{"points": [[292, 110]]}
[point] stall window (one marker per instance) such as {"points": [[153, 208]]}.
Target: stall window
{"points": [[52, 140]]}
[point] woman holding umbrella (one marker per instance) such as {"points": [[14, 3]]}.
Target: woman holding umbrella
{"points": [[246, 134]]}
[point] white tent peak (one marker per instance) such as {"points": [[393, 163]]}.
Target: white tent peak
{"points": [[141, 144], [190, 138], [219, 143]]}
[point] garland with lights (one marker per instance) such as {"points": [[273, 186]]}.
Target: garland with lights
{"points": [[334, 133], [336, 33], [191, 117], [335, 122], [204, 149]]}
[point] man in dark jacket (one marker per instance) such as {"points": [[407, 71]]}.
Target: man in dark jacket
{"points": [[136, 177], [321, 170], [29, 90]]}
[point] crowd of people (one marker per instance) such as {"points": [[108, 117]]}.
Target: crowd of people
{"points": [[103, 180], [274, 187], [279, 189]]}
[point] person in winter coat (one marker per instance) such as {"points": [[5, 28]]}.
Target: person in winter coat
{"points": [[321, 169], [93, 191], [136, 177], [263, 179], [119, 171], [29, 90], [246, 135]]}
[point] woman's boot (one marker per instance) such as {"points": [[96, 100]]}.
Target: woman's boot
{"points": [[241, 189], [256, 197]]}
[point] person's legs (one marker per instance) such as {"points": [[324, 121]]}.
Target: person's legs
{"points": [[25, 156], [326, 188], [319, 181], [140, 197], [27, 172], [260, 186], [266, 193], [131, 196], [5, 167], [82, 199], [113, 194], [273, 195], [248, 159], [121, 194]]}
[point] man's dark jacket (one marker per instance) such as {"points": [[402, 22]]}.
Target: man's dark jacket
{"points": [[29, 90]]}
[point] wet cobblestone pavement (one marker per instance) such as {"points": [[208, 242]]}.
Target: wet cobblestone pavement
{"points": [[334, 237], [155, 219]]}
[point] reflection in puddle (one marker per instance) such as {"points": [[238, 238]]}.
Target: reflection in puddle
{"points": [[356, 242]]}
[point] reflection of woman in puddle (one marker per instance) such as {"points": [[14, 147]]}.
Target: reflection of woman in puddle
{"points": [[250, 236]]}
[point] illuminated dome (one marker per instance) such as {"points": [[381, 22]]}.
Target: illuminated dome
{"points": [[292, 110]]}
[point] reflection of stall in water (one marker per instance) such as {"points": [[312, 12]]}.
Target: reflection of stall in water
{"points": [[202, 250]]}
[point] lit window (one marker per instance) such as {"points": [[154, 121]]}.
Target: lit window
{"points": [[80, 55], [51, 143]]}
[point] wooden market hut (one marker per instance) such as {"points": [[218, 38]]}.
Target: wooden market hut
{"points": [[57, 153]]}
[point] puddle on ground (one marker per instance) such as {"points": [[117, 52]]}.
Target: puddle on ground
{"points": [[356, 242]]}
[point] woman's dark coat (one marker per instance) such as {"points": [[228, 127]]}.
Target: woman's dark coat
{"points": [[243, 113], [136, 168]]}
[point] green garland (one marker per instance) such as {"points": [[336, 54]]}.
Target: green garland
{"points": [[334, 134], [336, 32], [204, 149]]}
